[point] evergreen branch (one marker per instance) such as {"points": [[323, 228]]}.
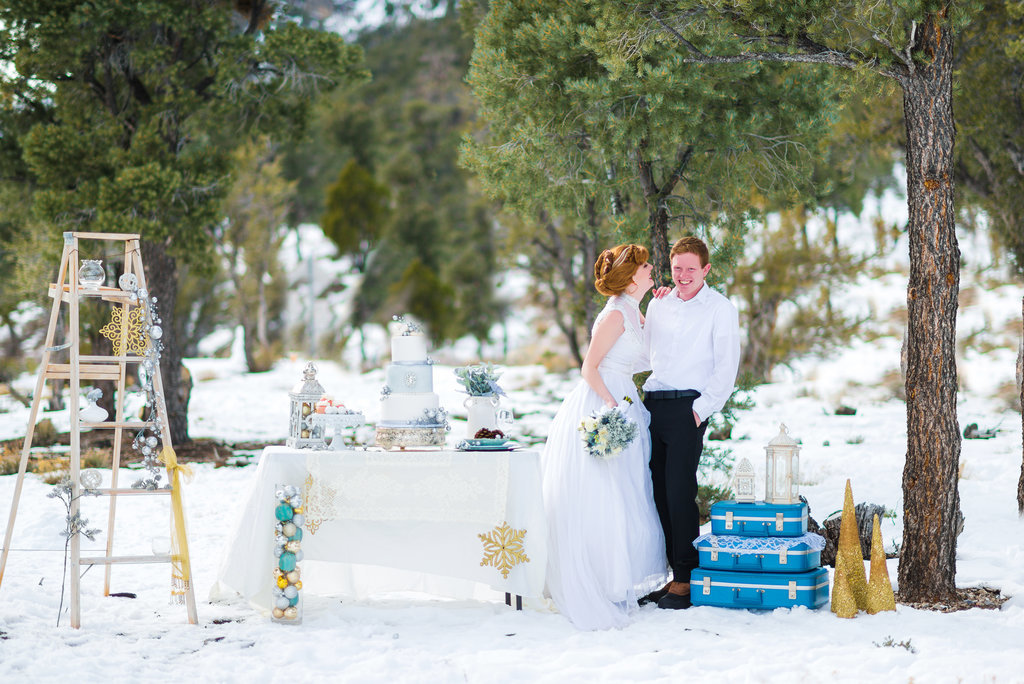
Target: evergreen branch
{"points": [[810, 52], [683, 157], [902, 56]]}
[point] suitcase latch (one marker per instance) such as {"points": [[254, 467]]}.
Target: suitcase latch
{"points": [[714, 554], [792, 589], [728, 520], [706, 585], [782, 556], [778, 522]]}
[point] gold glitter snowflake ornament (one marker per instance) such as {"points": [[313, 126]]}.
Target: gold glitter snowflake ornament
{"points": [[134, 328], [503, 548]]}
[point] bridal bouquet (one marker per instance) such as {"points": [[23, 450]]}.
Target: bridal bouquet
{"points": [[607, 432]]}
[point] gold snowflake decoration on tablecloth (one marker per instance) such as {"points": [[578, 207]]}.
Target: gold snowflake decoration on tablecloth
{"points": [[503, 548], [136, 337]]}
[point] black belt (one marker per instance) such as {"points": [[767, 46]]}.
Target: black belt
{"points": [[672, 394]]}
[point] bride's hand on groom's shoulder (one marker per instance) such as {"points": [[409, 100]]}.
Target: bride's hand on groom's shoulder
{"points": [[660, 292]]}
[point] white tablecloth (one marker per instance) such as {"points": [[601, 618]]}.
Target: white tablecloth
{"points": [[451, 520]]}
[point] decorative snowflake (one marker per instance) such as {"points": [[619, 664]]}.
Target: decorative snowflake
{"points": [[410, 379], [503, 548], [133, 328]]}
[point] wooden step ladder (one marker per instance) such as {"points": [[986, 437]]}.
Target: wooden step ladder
{"points": [[130, 315]]}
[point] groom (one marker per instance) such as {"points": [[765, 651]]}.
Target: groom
{"points": [[692, 339]]}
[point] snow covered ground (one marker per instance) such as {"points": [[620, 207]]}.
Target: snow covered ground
{"points": [[412, 637]]}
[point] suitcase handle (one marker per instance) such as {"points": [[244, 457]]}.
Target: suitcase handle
{"points": [[754, 598], [746, 561], [763, 528]]}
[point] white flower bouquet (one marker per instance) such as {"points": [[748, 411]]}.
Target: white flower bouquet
{"points": [[607, 432]]}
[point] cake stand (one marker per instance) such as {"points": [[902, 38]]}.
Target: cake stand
{"points": [[338, 422], [395, 436]]}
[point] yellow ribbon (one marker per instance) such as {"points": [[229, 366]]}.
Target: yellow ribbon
{"points": [[181, 571]]}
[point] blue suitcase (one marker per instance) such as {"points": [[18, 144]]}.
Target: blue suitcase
{"points": [[760, 554], [757, 590], [758, 519]]}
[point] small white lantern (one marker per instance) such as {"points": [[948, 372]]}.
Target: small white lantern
{"points": [[302, 432], [743, 482], [782, 463]]}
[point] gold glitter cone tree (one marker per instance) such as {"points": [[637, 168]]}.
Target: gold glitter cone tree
{"points": [[849, 558], [880, 596], [844, 605]]}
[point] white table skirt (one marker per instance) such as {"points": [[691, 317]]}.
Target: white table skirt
{"points": [[438, 554]]}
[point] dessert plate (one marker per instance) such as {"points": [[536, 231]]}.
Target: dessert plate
{"points": [[487, 445]]}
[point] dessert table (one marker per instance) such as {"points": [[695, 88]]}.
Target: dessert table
{"points": [[440, 521]]}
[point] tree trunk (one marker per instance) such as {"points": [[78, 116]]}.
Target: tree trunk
{"points": [[162, 278], [1020, 393], [927, 568], [757, 357]]}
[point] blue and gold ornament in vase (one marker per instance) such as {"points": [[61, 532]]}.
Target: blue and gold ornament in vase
{"points": [[286, 595]]}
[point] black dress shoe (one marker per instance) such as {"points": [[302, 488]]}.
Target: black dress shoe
{"points": [[674, 601], [653, 597]]}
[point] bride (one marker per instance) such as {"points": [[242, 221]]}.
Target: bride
{"points": [[605, 542]]}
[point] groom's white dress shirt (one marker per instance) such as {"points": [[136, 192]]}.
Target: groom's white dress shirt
{"points": [[693, 344]]}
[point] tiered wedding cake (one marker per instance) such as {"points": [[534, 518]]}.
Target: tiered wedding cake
{"points": [[410, 413]]}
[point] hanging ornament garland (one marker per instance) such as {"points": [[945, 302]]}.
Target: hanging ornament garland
{"points": [[147, 326]]}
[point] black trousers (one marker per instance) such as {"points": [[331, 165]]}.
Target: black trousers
{"points": [[676, 445]]}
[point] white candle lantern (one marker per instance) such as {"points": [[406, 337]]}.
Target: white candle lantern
{"points": [[782, 463], [743, 482], [303, 433]]}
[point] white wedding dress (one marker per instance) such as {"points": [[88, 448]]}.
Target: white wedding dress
{"points": [[606, 547]]}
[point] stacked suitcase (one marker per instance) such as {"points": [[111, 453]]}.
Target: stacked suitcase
{"points": [[759, 555]]}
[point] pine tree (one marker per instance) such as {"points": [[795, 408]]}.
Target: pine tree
{"points": [[910, 45], [654, 144], [125, 115]]}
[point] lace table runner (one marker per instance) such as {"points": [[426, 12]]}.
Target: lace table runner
{"points": [[421, 486]]}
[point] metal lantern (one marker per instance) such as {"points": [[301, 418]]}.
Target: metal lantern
{"points": [[743, 482], [782, 463], [302, 432]]}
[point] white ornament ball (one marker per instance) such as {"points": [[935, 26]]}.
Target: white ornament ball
{"points": [[156, 332], [290, 591], [90, 478], [298, 519], [282, 603], [299, 555]]}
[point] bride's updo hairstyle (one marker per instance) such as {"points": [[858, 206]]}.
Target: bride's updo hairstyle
{"points": [[615, 268]]}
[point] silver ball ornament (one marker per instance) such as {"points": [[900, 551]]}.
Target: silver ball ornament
{"points": [[90, 478], [290, 591], [282, 603], [156, 332]]}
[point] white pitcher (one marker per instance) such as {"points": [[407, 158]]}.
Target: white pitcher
{"points": [[483, 413]]}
